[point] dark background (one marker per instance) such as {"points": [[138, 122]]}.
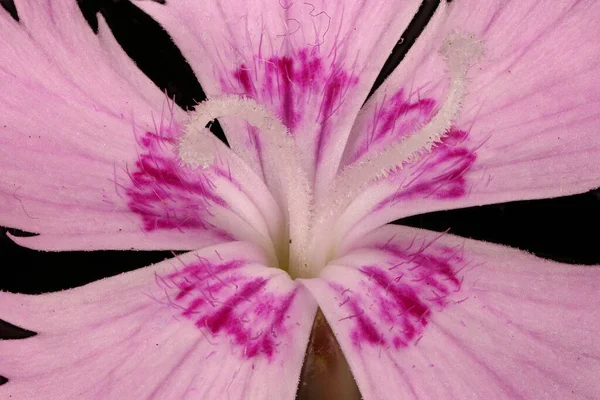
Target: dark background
{"points": [[563, 229]]}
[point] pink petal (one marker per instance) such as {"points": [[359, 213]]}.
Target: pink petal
{"points": [[214, 323], [312, 63], [427, 316], [86, 148], [528, 126]]}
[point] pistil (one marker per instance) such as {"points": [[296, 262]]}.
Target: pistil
{"points": [[460, 52]]}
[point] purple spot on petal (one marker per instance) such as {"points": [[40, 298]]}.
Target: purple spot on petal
{"points": [[394, 119], [295, 88], [334, 92], [396, 312], [167, 196], [439, 174], [243, 77], [224, 303], [285, 68], [366, 330]]}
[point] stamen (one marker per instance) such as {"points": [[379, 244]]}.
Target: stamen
{"points": [[460, 52], [284, 174]]}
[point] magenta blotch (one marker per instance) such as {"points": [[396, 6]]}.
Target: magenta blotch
{"points": [[293, 87], [395, 118], [167, 196], [225, 304], [395, 312], [439, 174]]}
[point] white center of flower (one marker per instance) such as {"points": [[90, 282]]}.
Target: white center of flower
{"points": [[307, 242]]}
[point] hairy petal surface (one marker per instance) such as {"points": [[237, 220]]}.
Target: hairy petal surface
{"points": [[87, 147], [311, 63], [528, 125], [422, 315], [214, 323]]}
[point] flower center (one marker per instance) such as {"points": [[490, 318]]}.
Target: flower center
{"points": [[284, 174], [305, 243]]}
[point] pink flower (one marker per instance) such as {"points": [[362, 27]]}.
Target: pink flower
{"points": [[496, 101]]}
